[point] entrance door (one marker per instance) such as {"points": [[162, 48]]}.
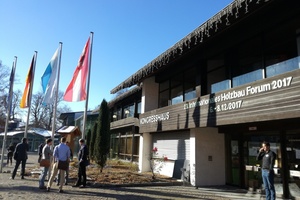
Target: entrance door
{"points": [[252, 144], [235, 162], [293, 158]]}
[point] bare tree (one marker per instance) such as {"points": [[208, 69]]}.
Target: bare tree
{"points": [[39, 112], [4, 78], [4, 85], [15, 108], [41, 115]]}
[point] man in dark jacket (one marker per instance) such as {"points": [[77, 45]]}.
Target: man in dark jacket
{"points": [[83, 162], [20, 155]]}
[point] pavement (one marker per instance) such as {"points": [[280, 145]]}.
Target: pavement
{"points": [[28, 189]]}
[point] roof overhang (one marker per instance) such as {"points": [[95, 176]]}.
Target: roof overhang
{"points": [[69, 130], [226, 17]]}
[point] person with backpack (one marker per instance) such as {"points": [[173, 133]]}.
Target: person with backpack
{"points": [[40, 151], [46, 154]]}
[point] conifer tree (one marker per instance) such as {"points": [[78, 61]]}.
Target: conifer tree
{"points": [[88, 138], [103, 136], [91, 144]]}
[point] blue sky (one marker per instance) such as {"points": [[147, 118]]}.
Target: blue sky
{"points": [[128, 34]]}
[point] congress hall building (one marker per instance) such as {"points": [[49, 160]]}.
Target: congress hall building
{"points": [[208, 102]]}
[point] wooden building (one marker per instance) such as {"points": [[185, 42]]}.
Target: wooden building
{"points": [[208, 102]]}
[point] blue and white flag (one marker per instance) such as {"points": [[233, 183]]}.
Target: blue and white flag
{"points": [[49, 80]]}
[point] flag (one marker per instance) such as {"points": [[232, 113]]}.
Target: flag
{"points": [[28, 86], [49, 79], [76, 91], [10, 93]]}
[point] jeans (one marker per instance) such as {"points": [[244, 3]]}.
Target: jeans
{"points": [[42, 177], [268, 180], [18, 162]]}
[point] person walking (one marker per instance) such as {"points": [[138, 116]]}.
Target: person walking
{"points": [[67, 171], [83, 161], [10, 153], [61, 153], [20, 155], [46, 154], [268, 160]]}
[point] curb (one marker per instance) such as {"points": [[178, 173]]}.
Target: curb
{"points": [[99, 185]]}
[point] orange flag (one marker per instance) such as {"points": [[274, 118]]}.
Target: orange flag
{"points": [[28, 86]]}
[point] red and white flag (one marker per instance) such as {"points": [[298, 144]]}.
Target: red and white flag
{"points": [[76, 91]]}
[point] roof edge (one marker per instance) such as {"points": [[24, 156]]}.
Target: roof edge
{"points": [[193, 39]]}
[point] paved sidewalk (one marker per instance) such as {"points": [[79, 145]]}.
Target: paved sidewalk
{"points": [[28, 189]]}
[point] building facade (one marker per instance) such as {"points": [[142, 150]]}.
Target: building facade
{"points": [[208, 102]]}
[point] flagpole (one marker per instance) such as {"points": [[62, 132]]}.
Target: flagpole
{"points": [[8, 110], [56, 94], [88, 86], [30, 95]]}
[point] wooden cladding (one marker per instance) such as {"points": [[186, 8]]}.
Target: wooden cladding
{"points": [[272, 98]]}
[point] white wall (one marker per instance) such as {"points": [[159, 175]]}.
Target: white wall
{"points": [[193, 157], [144, 152], [149, 95], [149, 102], [208, 143]]}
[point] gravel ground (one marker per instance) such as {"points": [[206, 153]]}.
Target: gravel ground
{"points": [[28, 189]]}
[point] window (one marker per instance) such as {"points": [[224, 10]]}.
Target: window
{"points": [[247, 78], [129, 111], [216, 73], [176, 95], [190, 84], [282, 67], [164, 93], [179, 88], [139, 107]]}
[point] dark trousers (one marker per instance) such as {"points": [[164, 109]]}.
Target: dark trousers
{"points": [[9, 157], [81, 180], [18, 162]]}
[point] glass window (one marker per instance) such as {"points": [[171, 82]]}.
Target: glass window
{"points": [[129, 111], [119, 113], [190, 77], [164, 86], [190, 94], [179, 88], [139, 107], [164, 98], [282, 67], [115, 116], [247, 78], [177, 80], [223, 85], [176, 95]]}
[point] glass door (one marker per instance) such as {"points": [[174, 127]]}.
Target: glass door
{"points": [[293, 157], [252, 144], [235, 162]]}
